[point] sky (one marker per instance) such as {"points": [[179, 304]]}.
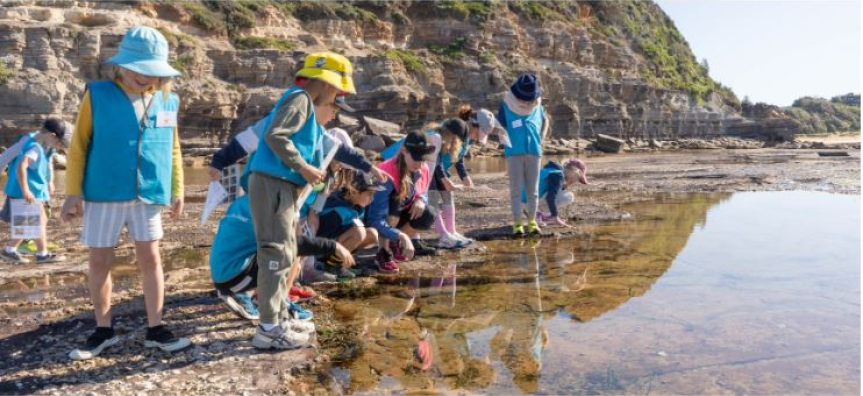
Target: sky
{"points": [[774, 51]]}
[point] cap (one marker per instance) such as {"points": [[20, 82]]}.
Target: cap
{"points": [[582, 167], [419, 147], [59, 128], [365, 182], [455, 126], [487, 123]]}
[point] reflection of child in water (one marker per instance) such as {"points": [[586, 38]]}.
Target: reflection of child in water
{"points": [[520, 349]]}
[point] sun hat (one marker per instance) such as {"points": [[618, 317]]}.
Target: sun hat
{"points": [[456, 126], [144, 50], [365, 182], [331, 68], [418, 146], [487, 123], [526, 88]]}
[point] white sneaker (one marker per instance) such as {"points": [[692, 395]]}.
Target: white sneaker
{"points": [[298, 325], [458, 235], [450, 242], [279, 338]]}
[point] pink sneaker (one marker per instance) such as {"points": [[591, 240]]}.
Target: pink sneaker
{"points": [[385, 263], [541, 218], [398, 255]]}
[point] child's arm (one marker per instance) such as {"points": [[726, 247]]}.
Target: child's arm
{"points": [[51, 175], [76, 160], [555, 186], [378, 212], [22, 179], [462, 172], [240, 146], [177, 177]]}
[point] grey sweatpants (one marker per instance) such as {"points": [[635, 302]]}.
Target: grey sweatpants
{"points": [[274, 216], [523, 171]]}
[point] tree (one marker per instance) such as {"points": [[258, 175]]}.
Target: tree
{"points": [[705, 65]]}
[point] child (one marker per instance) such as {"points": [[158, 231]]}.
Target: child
{"points": [[234, 264], [287, 160], [453, 137], [554, 181], [341, 219], [30, 178], [400, 211], [125, 164], [526, 123]]}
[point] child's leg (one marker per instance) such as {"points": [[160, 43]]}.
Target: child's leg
{"points": [[42, 241], [435, 201], [448, 211], [101, 284], [531, 182], [274, 215], [371, 238], [353, 238], [294, 272], [515, 171], [150, 263]]}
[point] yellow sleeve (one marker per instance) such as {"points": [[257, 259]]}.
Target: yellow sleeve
{"points": [[77, 159], [176, 167]]}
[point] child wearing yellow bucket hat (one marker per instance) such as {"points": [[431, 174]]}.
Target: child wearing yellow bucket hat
{"points": [[288, 158], [124, 167]]}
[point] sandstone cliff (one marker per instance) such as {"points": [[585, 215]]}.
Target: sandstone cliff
{"points": [[616, 68]]}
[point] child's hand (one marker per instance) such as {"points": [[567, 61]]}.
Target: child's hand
{"points": [[214, 173], [343, 254], [312, 175], [407, 245], [72, 208], [379, 174], [561, 222], [468, 183], [177, 208], [29, 197], [417, 209]]}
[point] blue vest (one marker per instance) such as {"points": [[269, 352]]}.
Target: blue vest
{"points": [[544, 173], [347, 211], [525, 132], [308, 141], [37, 179], [234, 242], [125, 163]]}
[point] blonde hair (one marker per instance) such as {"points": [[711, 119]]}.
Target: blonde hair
{"points": [[162, 84]]}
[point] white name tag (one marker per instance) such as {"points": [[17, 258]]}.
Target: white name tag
{"points": [[166, 119], [516, 124]]}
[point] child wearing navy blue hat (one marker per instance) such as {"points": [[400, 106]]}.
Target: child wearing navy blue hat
{"points": [[527, 124]]}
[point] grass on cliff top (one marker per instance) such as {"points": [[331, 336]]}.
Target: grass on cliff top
{"points": [[5, 74], [257, 42], [552, 10], [671, 62], [182, 62], [408, 58]]}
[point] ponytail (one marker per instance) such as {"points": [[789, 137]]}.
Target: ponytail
{"points": [[404, 177], [465, 112]]}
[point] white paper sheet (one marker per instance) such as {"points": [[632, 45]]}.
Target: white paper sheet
{"points": [[26, 219], [216, 194], [329, 154]]}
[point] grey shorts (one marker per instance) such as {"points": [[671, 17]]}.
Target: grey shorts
{"points": [[104, 221]]}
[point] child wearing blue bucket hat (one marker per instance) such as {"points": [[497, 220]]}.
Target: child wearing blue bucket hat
{"points": [[124, 167], [526, 123]]}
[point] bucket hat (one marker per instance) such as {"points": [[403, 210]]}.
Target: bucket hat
{"points": [[144, 50], [487, 123], [331, 68], [526, 87]]}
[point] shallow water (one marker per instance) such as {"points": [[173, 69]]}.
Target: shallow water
{"points": [[752, 293]]}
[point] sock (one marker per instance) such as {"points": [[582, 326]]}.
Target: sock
{"points": [[439, 226], [449, 218], [268, 326], [43, 253]]}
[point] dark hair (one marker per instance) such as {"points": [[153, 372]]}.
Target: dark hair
{"points": [[55, 126], [405, 177], [465, 112]]}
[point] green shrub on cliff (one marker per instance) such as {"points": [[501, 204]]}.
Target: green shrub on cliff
{"points": [[818, 115], [257, 42], [183, 62], [553, 10], [408, 58], [450, 52], [5, 74]]}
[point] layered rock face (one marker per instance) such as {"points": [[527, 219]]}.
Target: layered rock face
{"points": [[409, 70]]}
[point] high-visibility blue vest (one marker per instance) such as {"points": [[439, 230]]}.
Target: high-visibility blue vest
{"points": [[549, 169], [37, 177], [445, 159], [234, 242], [308, 141], [125, 162], [525, 132], [347, 211]]}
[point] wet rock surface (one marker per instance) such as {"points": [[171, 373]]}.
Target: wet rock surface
{"points": [[45, 310]]}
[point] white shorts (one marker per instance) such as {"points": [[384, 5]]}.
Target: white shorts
{"points": [[104, 221]]}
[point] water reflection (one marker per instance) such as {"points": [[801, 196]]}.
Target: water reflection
{"points": [[662, 303]]}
